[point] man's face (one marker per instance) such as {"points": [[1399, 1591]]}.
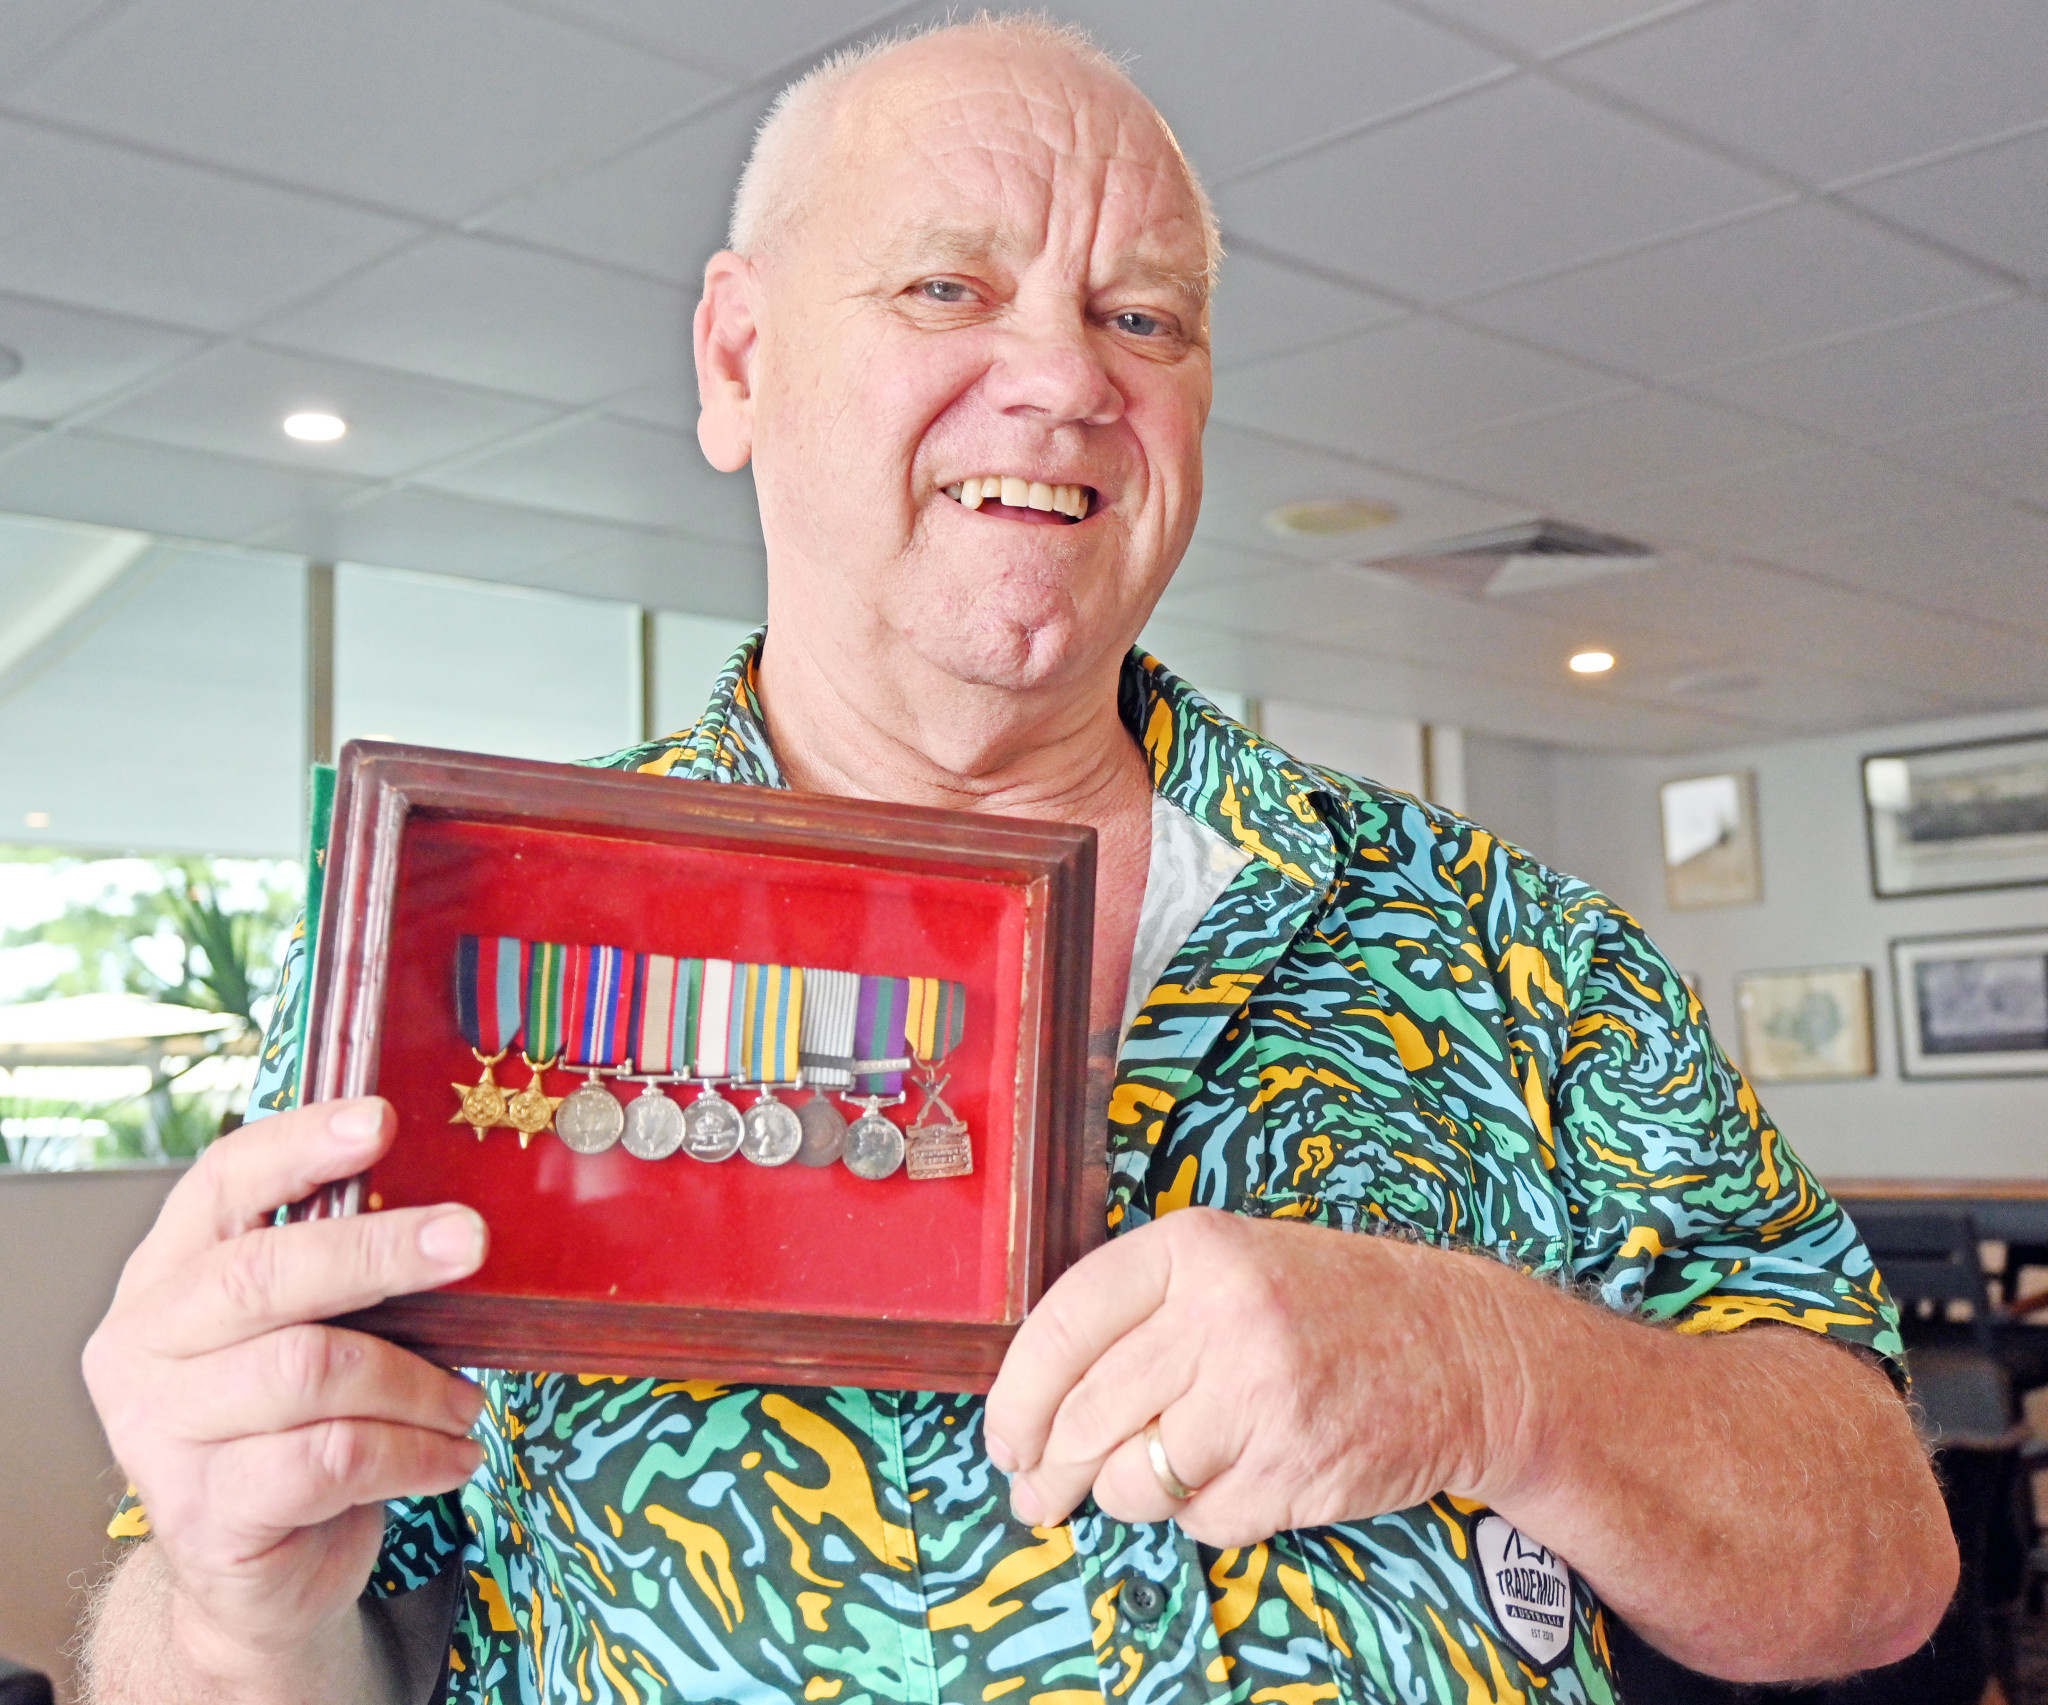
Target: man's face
{"points": [[999, 279]]}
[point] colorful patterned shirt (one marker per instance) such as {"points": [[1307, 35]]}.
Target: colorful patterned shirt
{"points": [[1388, 1020]]}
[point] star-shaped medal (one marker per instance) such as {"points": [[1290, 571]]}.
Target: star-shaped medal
{"points": [[532, 1110], [483, 1102]]}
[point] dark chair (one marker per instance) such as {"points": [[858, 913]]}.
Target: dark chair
{"points": [[23, 1686]]}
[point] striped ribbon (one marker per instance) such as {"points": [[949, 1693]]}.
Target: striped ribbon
{"points": [[598, 1000], [825, 1031], [546, 1009], [712, 1047], [879, 1013], [651, 1023], [490, 991], [767, 1019], [937, 1018]]}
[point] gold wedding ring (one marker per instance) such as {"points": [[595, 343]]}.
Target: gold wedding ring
{"points": [[1169, 1482]]}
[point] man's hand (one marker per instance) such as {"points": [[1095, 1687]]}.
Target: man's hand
{"points": [[1299, 1375], [263, 1444], [1755, 1503]]}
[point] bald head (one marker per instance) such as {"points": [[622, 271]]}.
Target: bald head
{"points": [[826, 115]]}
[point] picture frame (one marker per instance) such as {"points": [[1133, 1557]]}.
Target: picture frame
{"points": [[1972, 1006], [787, 1274], [1957, 818], [1711, 856], [1807, 1025]]}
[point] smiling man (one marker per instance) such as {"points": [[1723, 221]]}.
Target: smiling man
{"points": [[1461, 1294]]}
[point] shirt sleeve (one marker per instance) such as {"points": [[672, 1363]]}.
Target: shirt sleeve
{"points": [[420, 1534], [1694, 1210]]}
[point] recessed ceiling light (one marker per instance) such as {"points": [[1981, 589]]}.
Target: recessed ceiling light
{"points": [[36, 820], [314, 427], [1330, 517], [10, 362], [1592, 662]]}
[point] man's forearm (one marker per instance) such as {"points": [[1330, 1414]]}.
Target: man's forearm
{"points": [[1755, 1503], [143, 1646]]}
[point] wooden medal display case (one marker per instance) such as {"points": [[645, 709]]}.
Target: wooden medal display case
{"points": [[608, 1264]]}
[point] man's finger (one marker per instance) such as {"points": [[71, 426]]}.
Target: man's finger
{"points": [[276, 1482], [302, 1374], [1093, 1304], [285, 1275], [245, 1177]]}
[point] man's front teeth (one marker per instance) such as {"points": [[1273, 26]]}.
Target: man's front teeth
{"points": [[1022, 494]]}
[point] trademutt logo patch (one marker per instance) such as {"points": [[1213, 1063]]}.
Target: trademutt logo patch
{"points": [[1529, 1589]]}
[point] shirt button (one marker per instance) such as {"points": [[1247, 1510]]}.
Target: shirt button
{"points": [[1141, 1600]]}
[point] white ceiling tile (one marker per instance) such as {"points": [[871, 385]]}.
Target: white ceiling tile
{"points": [[1784, 277], [34, 27], [103, 227], [501, 317], [234, 400], [80, 476], [661, 208], [1246, 476], [71, 358], [2008, 452], [662, 571], [1757, 509], [743, 42], [618, 472], [1548, 26], [1989, 564], [438, 107], [1265, 308], [1514, 180], [430, 530], [1558, 461], [1420, 379], [1308, 70], [1887, 382], [1826, 90], [1992, 203]]}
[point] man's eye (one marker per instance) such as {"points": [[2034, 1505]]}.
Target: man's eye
{"points": [[943, 290]]}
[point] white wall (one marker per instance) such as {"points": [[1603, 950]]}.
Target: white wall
{"points": [[63, 1239], [1596, 817]]}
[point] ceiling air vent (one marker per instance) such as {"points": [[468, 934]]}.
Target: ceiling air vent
{"points": [[1531, 556]]}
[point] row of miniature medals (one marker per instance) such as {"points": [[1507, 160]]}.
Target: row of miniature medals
{"points": [[714, 1024]]}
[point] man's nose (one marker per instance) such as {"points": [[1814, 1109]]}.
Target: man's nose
{"points": [[1053, 368]]}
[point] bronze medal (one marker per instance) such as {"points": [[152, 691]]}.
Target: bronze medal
{"points": [[483, 1102], [824, 1128], [532, 1110]]}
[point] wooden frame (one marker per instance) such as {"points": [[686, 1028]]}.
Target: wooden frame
{"points": [[394, 807], [1810, 1024]]}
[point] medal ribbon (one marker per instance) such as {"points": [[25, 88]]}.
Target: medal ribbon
{"points": [[598, 1000], [878, 1036], [547, 971], [937, 1018], [653, 1018], [490, 991], [767, 1021], [825, 1033], [712, 1048]]}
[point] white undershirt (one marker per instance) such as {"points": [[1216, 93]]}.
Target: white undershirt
{"points": [[1190, 864]]}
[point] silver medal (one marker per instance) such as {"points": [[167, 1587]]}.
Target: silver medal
{"points": [[773, 1132], [824, 1131], [712, 1127], [654, 1125], [591, 1119], [874, 1146]]}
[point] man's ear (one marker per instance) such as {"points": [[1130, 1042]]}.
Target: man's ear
{"points": [[726, 338]]}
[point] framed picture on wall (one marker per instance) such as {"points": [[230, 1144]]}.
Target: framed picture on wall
{"points": [[1710, 848], [1972, 1005], [1805, 1025], [1948, 818]]}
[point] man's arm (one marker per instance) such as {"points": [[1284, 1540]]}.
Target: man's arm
{"points": [[264, 1445], [1754, 1503]]}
